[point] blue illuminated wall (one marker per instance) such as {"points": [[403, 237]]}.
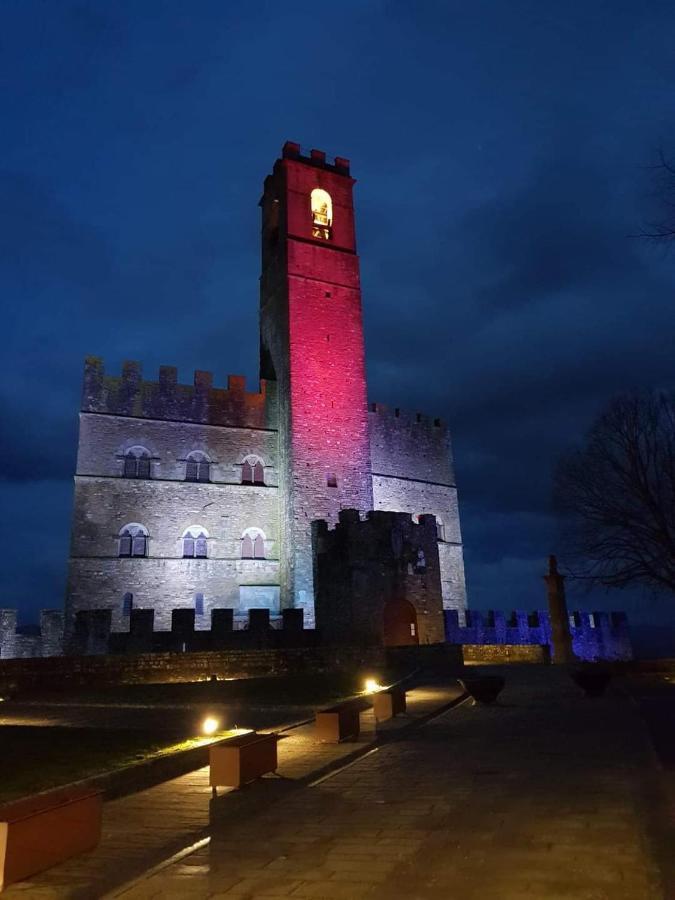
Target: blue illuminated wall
{"points": [[595, 636]]}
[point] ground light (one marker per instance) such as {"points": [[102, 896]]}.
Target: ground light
{"points": [[210, 725], [372, 686]]}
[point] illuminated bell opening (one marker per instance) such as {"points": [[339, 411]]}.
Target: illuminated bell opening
{"points": [[322, 212]]}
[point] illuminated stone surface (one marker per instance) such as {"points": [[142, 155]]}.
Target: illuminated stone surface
{"points": [[321, 446]]}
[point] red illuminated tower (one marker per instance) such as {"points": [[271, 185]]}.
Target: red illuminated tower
{"points": [[312, 344]]}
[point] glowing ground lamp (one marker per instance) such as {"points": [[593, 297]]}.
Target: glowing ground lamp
{"points": [[210, 725], [372, 686]]}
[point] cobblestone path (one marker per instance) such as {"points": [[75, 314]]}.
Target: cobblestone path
{"points": [[147, 827], [543, 796]]}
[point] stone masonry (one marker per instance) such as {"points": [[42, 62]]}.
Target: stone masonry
{"points": [[317, 446], [365, 571]]}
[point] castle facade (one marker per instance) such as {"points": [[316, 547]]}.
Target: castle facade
{"points": [[202, 497]]}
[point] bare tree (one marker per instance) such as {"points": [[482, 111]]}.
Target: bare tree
{"points": [[663, 228], [616, 495]]}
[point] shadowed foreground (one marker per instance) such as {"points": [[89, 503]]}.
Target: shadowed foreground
{"points": [[547, 795]]}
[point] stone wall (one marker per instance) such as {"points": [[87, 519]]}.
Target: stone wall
{"points": [[308, 423], [595, 636], [46, 640], [411, 444], [104, 439], [166, 505], [92, 671], [503, 654], [413, 472], [312, 343], [129, 395], [361, 566]]}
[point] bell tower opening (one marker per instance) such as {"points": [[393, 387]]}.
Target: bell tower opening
{"points": [[322, 213]]}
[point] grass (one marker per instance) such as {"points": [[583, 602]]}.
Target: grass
{"points": [[35, 758], [291, 690]]}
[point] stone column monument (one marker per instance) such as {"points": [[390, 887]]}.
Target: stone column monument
{"points": [[560, 621]]}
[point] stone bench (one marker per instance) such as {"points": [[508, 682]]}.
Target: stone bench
{"points": [[389, 703], [240, 759], [338, 723], [41, 831]]}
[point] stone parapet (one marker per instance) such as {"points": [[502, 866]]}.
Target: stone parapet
{"points": [[595, 636], [45, 640], [129, 395]]}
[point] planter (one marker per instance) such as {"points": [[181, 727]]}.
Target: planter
{"points": [[389, 703], [483, 688], [41, 831], [592, 680], [338, 723], [238, 760]]}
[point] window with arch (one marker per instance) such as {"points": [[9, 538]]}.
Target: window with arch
{"points": [[133, 540], [127, 604], [322, 213], [252, 471], [253, 544], [199, 604], [197, 467], [195, 542], [137, 463]]}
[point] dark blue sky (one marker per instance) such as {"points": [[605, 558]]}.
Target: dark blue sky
{"points": [[501, 150]]}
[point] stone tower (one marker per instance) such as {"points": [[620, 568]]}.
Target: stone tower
{"points": [[312, 345]]}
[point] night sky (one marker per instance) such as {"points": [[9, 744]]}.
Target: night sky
{"points": [[502, 152]]}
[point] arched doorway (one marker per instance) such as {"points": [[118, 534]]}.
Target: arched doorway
{"points": [[400, 623]]}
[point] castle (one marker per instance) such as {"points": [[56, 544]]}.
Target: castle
{"points": [[202, 497]]}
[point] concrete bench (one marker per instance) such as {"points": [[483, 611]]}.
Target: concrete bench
{"points": [[39, 832], [338, 723], [238, 760], [389, 703]]}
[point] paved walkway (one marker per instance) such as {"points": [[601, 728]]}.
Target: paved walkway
{"points": [[146, 828], [543, 796]]}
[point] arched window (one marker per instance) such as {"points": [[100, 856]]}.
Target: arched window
{"points": [[137, 463], [322, 213], [440, 530], [195, 542], [133, 540], [252, 471], [253, 544], [127, 604], [197, 467]]}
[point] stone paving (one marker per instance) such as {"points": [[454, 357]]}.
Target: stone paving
{"points": [[150, 826], [545, 795]]}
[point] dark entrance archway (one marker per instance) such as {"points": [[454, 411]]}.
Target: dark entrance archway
{"points": [[400, 623]]}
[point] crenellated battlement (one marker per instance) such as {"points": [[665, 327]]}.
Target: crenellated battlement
{"points": [[316, 158], [366, 568], [128, 394], [404, 416], [44, 640], [595, 636], [93, 633]]}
